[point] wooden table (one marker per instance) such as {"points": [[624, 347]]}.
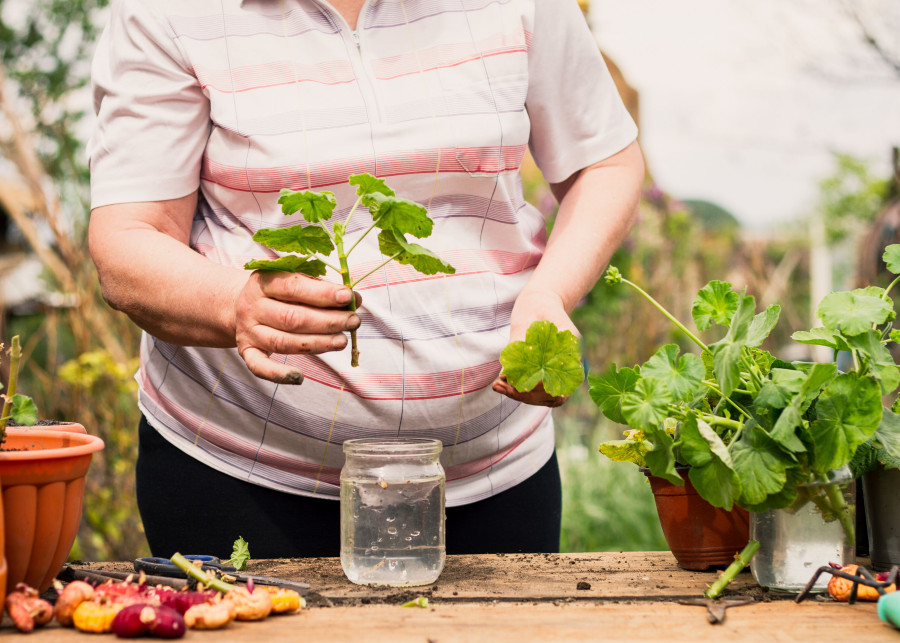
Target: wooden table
{"points": [[519, 598]]}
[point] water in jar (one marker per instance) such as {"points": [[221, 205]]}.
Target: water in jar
{"points": [[393, 530], [794, 545]]}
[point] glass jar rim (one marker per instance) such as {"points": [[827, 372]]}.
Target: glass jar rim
{"points": [[392, 447]]}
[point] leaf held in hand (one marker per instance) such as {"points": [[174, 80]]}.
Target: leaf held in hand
{"points": [[290, 263], [303, 240], [547, 355], [392, 244], [314, 206], [401, 215]]}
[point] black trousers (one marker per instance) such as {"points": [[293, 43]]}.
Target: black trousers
{"points": [[189, 507]]}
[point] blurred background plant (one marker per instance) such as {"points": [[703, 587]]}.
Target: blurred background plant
{"points": [[81, 356]]}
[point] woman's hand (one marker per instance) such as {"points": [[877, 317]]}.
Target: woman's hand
{"points": [[279, 312], [534, 306]]}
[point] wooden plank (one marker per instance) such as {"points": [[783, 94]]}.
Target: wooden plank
{"points": [[522, 598], [521, 622]]}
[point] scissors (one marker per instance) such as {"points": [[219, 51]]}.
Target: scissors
{"points": [[154, 566]]}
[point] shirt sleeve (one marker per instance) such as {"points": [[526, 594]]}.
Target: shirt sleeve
{"points": [[577, 116], [152, 117]]}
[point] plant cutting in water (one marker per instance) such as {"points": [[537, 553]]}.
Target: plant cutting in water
{"points": [[16, 407], [753, 428], [310, 245]]}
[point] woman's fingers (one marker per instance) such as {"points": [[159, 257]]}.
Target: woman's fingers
{"points": [[262, 366], [301, 289], [289, 315], [536, 396]]}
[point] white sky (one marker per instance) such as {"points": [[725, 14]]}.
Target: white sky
{"points": [[743, 100]]}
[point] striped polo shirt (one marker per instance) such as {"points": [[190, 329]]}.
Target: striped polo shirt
{"points": [[442, 99]]}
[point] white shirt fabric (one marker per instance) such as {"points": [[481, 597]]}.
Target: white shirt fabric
{"points": [[441, 98]]}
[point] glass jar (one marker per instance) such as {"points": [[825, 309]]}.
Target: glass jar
{"points": [[816, 530], [392, 511]]}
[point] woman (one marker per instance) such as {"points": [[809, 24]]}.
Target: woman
{"points": [[207, 109]]}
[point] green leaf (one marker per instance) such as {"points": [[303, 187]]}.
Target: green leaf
{"points": [[888, 435], [240, 554], [401, 216], [780, 389], [682, 376], [891, 257], [848, 413], [314, 206], [23, 411], [647, 406], [547, 355], [853, 313], [290, 263], [716, 302], [879, 359], [660, 458], [625, 451], [760, 464], [727, 351], [785, 430], [392, 244], [305, 240], [607, 390], [821, 336], [762, 325], [712, 471], [367, 185]]}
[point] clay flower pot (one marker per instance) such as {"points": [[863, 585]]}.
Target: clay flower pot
{"points": [[43, 475], [2, 556], [700, 535]]}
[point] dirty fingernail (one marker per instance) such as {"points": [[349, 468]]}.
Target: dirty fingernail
{"points": [[344, 296], [294, 377], [352, 322]]}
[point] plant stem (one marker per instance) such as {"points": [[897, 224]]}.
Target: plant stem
{"points": [[715, 420], [356, 243], [199, 575], [15, 354], [665, 312], [741, 560], [377, 268], [345, 277], [887, 291], [737, 406], [350, 215], [835, 501]]}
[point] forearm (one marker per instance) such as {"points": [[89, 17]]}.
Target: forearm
{"points": [[148, 271], [595, 215]]}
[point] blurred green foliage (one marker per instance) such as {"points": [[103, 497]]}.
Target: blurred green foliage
{"points": [[850, 197]]}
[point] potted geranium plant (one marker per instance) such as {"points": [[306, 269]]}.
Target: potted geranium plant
{"points": [[771, 436], [42, 472]]}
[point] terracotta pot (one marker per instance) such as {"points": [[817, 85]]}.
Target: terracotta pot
{"points": [[700, 535], [2, 555], [43, 473]]}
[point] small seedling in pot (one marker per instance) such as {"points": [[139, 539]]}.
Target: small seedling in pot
{"points": [[310, 245], [16, 407]]}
